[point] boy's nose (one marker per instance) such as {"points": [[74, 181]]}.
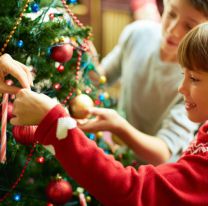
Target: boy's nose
{"points": [[174, 29], [181, 88]]}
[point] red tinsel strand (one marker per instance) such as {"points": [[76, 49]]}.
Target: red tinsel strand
{"points": [[21, 174], [75, 19], [68, 97], [79, 58], [84, 47]]}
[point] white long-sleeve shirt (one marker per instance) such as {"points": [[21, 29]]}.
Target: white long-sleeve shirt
{"points": [[149, 96]]}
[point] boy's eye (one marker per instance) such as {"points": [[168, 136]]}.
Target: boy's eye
{"points": [[188, 27], [193, 79], [171, 14]]}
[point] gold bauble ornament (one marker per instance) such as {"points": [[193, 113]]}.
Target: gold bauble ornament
{"points": [[80, 105], [99, 135], [102, 79]]}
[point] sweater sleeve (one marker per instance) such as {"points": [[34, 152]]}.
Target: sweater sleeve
{"points": [[85, 162], [105, 178]]}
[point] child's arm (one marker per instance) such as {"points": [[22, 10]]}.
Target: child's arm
{"points": [[148, 148], [100, 174]]}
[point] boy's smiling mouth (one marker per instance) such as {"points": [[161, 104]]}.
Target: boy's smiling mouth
{"points": [[189, 106]]}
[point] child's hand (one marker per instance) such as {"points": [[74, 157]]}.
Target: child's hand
{"points": [[30, 107], [105, 119], [17, 70]]}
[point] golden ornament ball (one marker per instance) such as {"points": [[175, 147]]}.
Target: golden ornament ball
{"points": [[79, 106], [102, 79], [99, 135]]}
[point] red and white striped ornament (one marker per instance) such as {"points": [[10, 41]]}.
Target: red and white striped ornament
{"points": [[4, 128], [82, 200]]}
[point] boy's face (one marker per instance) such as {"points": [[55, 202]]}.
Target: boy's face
{"points": [[178, 18], [195, 91]]}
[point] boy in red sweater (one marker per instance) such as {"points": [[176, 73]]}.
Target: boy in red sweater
{"points": [[181, 183]]}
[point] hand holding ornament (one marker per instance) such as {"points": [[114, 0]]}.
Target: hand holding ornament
{"points": [[18, 70], [30, 107], [104, 120]]}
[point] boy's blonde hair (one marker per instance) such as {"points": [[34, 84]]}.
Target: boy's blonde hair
{"points": [[193, 49]]}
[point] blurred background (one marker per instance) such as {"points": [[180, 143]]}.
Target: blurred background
{"points": [[107, 18]]}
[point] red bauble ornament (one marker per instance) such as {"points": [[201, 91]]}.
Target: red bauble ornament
{"points": [[79, 106], [60, 68], [51, 16], [57, 86], [62, 53], [97, 102], [59, 191], [40, 160], [24, 134]]}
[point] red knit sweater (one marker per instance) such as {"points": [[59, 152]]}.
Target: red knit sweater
{"points": [[182, 183]]}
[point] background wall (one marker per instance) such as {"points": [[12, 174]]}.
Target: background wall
{"points": [[107, 18]]}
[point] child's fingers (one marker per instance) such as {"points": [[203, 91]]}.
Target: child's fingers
{"points": [[88, 126], [97, 111], [15, 121], [4, 88], [27, 71], [93, 125], [9, 66], [81, 121], [20, 74]]}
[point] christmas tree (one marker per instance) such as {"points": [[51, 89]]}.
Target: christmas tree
{"points": [[49, 39]]}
